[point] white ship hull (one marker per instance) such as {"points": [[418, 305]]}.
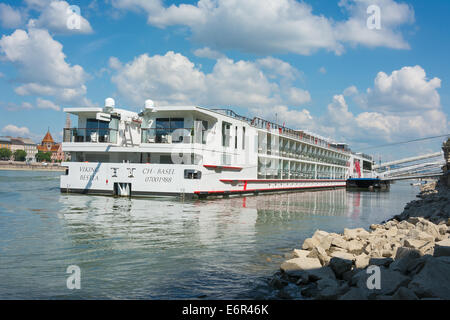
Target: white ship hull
{"points": [[197, 152], [168, 180]]}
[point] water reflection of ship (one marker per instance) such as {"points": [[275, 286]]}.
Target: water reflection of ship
{"points": [[285, 207], [355, 209], [159, 222], [155, 223]]}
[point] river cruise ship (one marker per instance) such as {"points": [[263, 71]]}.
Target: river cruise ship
{"points": [[192, 151]]}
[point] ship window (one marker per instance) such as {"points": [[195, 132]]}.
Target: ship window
{"points": [[97, 130], [169, 124], [163, 123], [236, 137], [243, 138], [226, 134], [192, 174], [367, 165]]}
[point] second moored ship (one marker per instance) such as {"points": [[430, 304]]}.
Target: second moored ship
{"points": [[194, 151]]}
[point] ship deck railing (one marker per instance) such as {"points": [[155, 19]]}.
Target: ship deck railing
{"points": [[282, 130], [90, 135], [171, 136]]}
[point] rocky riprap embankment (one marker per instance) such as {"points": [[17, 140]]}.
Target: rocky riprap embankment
{"points": [[413, 256], [434, 204]]}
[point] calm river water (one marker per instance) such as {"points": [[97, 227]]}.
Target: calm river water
{"points": [[163, 248]]}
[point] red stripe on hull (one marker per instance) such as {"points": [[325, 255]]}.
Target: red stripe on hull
{"points": [[209, 166], [264, 189], [252, 181]]}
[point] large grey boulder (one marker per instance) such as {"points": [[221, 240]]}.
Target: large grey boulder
{"points": [[416, 265], [340, 266], [415, 220], [390, 281], [387, 253], [319, 253], [319, 235], [330, 289], [405, 258], [423, 246], [376, 243], [404, 252], [347, 276], [358, 233], [342, 255], [362, 261], [290, 292], [319, 274], [300, 264], [392, 232], [377, 253], [355, 247], [433, 281], [432, 230], [376, 226], [385, 262], [339, 242], [442, 248], [319, 239], [300, 253], [310, 244], [310, 291], [442, 229], [278, 283], [405, 225], [390, 224], [420, 235]]}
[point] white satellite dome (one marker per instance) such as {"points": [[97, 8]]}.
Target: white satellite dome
{"points": [[109, 103], [149, 104]]}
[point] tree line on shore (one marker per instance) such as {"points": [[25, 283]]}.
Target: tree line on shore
{"points": [[21, 155]]}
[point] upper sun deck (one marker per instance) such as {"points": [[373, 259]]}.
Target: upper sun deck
{"points": [[182, 125], [102, 126]]}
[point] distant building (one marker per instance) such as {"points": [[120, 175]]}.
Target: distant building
{"points": [[49, 145], [17, 144], [30, 148], [5, 142]]}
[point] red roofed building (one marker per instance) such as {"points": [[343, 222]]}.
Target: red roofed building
{"points": [[49, 145]]}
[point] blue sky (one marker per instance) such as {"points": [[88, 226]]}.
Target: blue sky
{"points": [[312, 64]]}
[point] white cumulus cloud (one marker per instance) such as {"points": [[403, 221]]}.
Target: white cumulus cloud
{"points": [[13, 130], [208, 53], [393, 15], [55, 16], [10, 17], [404, 90], [42, 66], [403, 105], [173, 79], [274, 26], [114, 63], [46, 104]]}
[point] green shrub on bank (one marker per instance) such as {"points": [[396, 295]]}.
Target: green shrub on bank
{"points": [[20, 155], [5, 154]]}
